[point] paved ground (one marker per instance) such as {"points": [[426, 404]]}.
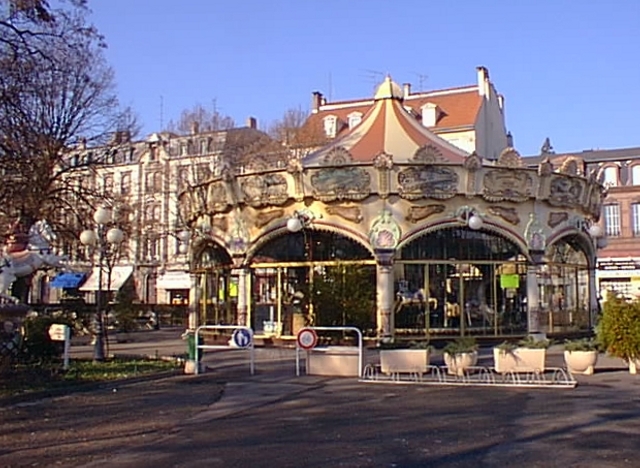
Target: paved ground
{"points": [[229, 418]]}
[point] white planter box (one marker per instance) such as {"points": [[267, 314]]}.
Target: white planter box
{"points": [[581, 362], [404, 360], [519, 360], [340, 361]]}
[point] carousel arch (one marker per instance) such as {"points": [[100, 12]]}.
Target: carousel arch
{"points": [[296, 278], [215, 283], [457, 280]]}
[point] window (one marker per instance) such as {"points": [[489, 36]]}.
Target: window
{"points": [[183, 148], [330, 126], [125, 184], [354, 119], [635, 218], [148, 181], [108, 184], [157, 181], [610, 176], [611, 220], [635, 174], [204, 147]]}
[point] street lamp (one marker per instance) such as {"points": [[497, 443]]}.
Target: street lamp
{"points": [[103, 240]]}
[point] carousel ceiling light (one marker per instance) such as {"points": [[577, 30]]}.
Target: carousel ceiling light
{"points": [[475, 222], [294, 224], [301, 219]]}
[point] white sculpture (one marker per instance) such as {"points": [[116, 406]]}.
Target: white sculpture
{"points": [[18, 260]]}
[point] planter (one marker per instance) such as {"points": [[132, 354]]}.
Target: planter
{"points": [[581, 362], [340, 361], [519, 360], [404, 360], [457, 364], [634, 365]]}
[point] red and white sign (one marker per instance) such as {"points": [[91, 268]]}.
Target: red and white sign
{"points": [[307, 338]]}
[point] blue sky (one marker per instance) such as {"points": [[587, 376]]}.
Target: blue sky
{"points": [[569, 69]]}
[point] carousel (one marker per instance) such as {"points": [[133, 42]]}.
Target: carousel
{"points": [[394, 230]]}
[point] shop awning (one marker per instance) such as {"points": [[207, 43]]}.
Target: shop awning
{"points": [[119, 274], [173, 280], [67, 280]]}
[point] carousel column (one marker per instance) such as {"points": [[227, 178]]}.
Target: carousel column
{"points": [[384, 295], [533, 299], [242, 297], [594, 297]]}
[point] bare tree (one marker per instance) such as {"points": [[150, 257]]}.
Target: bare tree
{"points": [[56, 93], [200, 119], [296, 132]]}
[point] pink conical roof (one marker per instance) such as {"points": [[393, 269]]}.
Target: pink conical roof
{"points": [[388, 128]]}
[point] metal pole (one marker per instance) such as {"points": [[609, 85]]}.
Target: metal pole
{"points": [[98, 350]]}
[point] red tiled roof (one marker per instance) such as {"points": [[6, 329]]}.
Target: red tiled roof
{"points": [[458, 107], [387, 127]]}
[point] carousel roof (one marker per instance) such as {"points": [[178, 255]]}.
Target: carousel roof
{"points": [[388, 128]]}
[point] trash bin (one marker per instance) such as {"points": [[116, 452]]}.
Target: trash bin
{"points": [[193, 352]]}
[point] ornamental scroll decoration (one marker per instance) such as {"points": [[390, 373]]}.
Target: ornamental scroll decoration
{"points": [[509, 157], [350, 213], [508, 213], [565, 191], [217, 200], [383, 162], [428, 154], [534, 234], [472, 164], [418, 213], [265, 217], [266, 189], [342, 181], [427, 182], [385, 232], [507, 185]]}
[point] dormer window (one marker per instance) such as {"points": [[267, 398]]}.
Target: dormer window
{"points": [[635, 174], [354, 119], [330, 126], [183, 148], [430, 114], [610, 176]]}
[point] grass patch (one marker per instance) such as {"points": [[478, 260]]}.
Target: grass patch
{"points": [[29, 378]]}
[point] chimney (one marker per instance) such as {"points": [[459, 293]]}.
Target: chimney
{"points": [[252, 122], [195, 127], [509, 140], [483, 81], [407, 89], [316, 101]]}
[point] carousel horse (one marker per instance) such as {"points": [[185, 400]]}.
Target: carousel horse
{"points": [[24, 254]]}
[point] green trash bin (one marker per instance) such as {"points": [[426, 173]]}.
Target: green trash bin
{"points": [[193, 352]]}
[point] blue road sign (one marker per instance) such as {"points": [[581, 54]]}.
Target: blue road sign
{"points": [[242, 337]]}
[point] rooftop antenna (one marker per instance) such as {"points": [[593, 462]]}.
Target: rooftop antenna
{"points": [[374, 77], [422, 78]]}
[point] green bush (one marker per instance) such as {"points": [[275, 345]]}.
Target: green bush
{"points": [[618, 330], [463, 344]]}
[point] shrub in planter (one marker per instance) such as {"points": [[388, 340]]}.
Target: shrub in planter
{"points": [[581, 355], [460, 354], [618, 331], [527, 355]]}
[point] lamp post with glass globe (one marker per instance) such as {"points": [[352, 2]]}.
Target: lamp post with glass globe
{"points": [[102, 240]]}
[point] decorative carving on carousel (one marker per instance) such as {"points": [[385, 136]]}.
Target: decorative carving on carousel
{"points": [[472, 164], [509, 157], [340, 182], [350, 213], [507, 185], [534, 234], [294, 167], [265, 217], [238, 233], [545, 168], [427, 182], [428, 154], [572, 166], [383, 162], [418, 213], [265, 189], [385, 232], [217, 200], [508, 213], [565, 191], [556, 218], [220, 222]]}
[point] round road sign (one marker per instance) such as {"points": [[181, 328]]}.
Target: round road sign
{"points": [[307, 338], [242, 337]]}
